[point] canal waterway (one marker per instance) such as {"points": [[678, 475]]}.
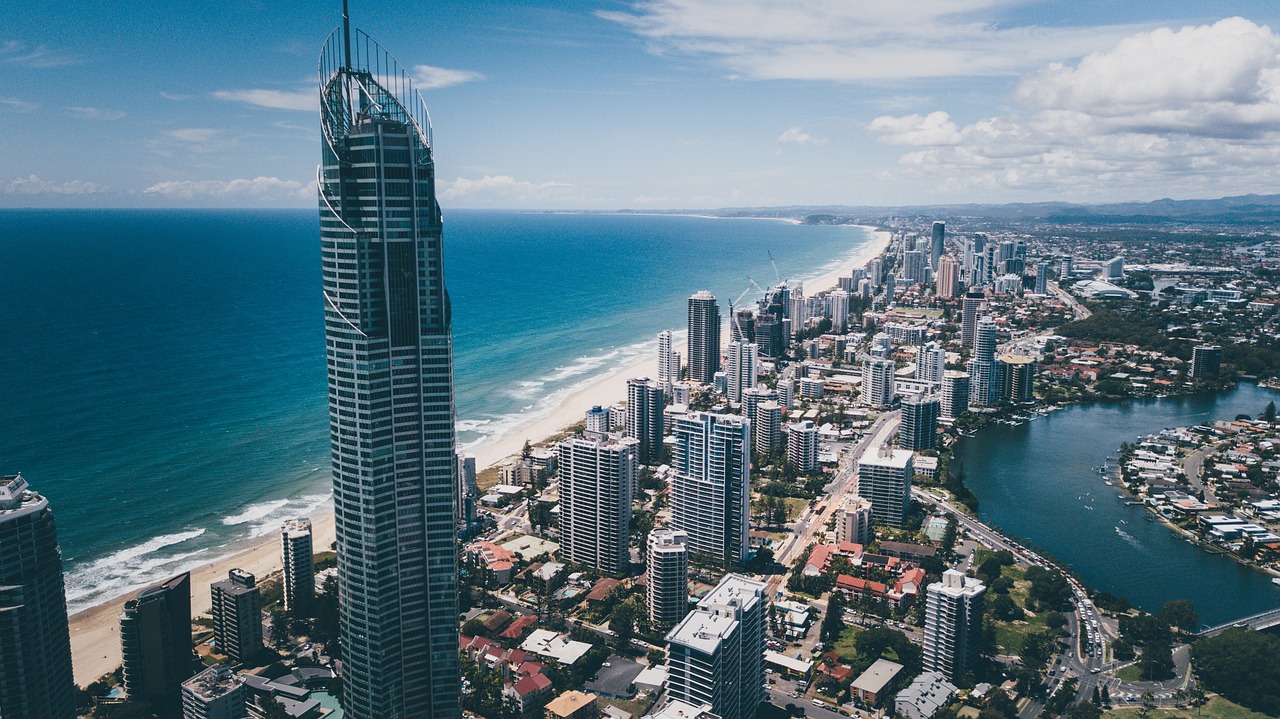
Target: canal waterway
{"points": [[1039, 481]]}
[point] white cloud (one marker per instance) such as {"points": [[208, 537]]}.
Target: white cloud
{"points": [[498, 187], [34, 185], [1192, 111], [265, 189], [194, 135], [96, 113], [305, 100], [41, 57], [936, 128], [796, 135], [16, 105], [174, 97], [860, 41], [427, 77]]}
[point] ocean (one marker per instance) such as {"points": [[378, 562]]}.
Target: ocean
{"points": [[162, 374]]}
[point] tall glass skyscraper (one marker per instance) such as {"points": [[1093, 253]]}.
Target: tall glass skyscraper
{"points": [[35, 645], [391, 417]]}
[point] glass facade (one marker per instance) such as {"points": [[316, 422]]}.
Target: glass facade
{"points": [[391, 420]]}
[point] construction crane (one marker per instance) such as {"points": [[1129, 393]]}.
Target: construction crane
{"points": [[775, 266], [733, 313]]}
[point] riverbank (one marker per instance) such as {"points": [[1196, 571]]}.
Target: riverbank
{"points": [[1039, 482], [95, 640]]}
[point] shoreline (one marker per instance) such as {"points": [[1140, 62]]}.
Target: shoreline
{"points": [[95, 633]]}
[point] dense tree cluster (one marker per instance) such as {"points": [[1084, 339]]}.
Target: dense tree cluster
{"points": [[1243, 666]]}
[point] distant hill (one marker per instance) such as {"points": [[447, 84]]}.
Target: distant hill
{"points": [[1243, 210]]}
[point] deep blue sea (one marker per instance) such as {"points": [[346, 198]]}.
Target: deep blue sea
{"points": [[162, 373]]}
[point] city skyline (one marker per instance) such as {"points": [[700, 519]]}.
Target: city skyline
{"points": [[695, 104]]}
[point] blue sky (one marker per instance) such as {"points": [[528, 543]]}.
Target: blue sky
{"points": [[656, 103]]}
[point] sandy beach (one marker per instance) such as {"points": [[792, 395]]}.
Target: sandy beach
{"points": [[95, 632]]}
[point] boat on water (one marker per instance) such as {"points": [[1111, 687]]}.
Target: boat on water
{"points": [[1275, 580], [1108, 482]]}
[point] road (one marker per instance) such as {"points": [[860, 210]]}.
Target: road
{"points": [[809, 523]]}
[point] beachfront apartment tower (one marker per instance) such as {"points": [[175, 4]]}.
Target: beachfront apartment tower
{"points": [[35, 643], [299, 566], [668, 362], [716, 653], [953, 624], [644, 418], [710, 493], [597, 472], [704, 337], [667, 584], [884, 478], [237, 616], [155, 644], [390, 367], [741, 369]]}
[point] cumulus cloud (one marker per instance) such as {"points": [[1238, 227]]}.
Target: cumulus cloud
{"points": [[303, 99], [859, 41], [96, 113], [1191, 110], [796, 135], [34, 185], [500, 187], [428, 77], [258, 188], [936, 128]]}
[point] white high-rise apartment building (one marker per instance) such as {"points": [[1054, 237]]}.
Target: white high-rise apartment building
{"points": [[710, 489], [668, 362], [740, 371], [802, 446], [931, 363], [877, 381], [853, 520], [299, 566], [839, 311], [667, 588], [597, 473], [767, 420], [984, 385], [786, 393], [953, 624], [884, 478], [716, 654]]}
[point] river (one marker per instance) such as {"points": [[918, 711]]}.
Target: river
{"points": [[1039, 481]]}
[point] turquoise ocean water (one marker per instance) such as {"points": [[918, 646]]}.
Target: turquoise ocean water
{"points": [[162, 372]]}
